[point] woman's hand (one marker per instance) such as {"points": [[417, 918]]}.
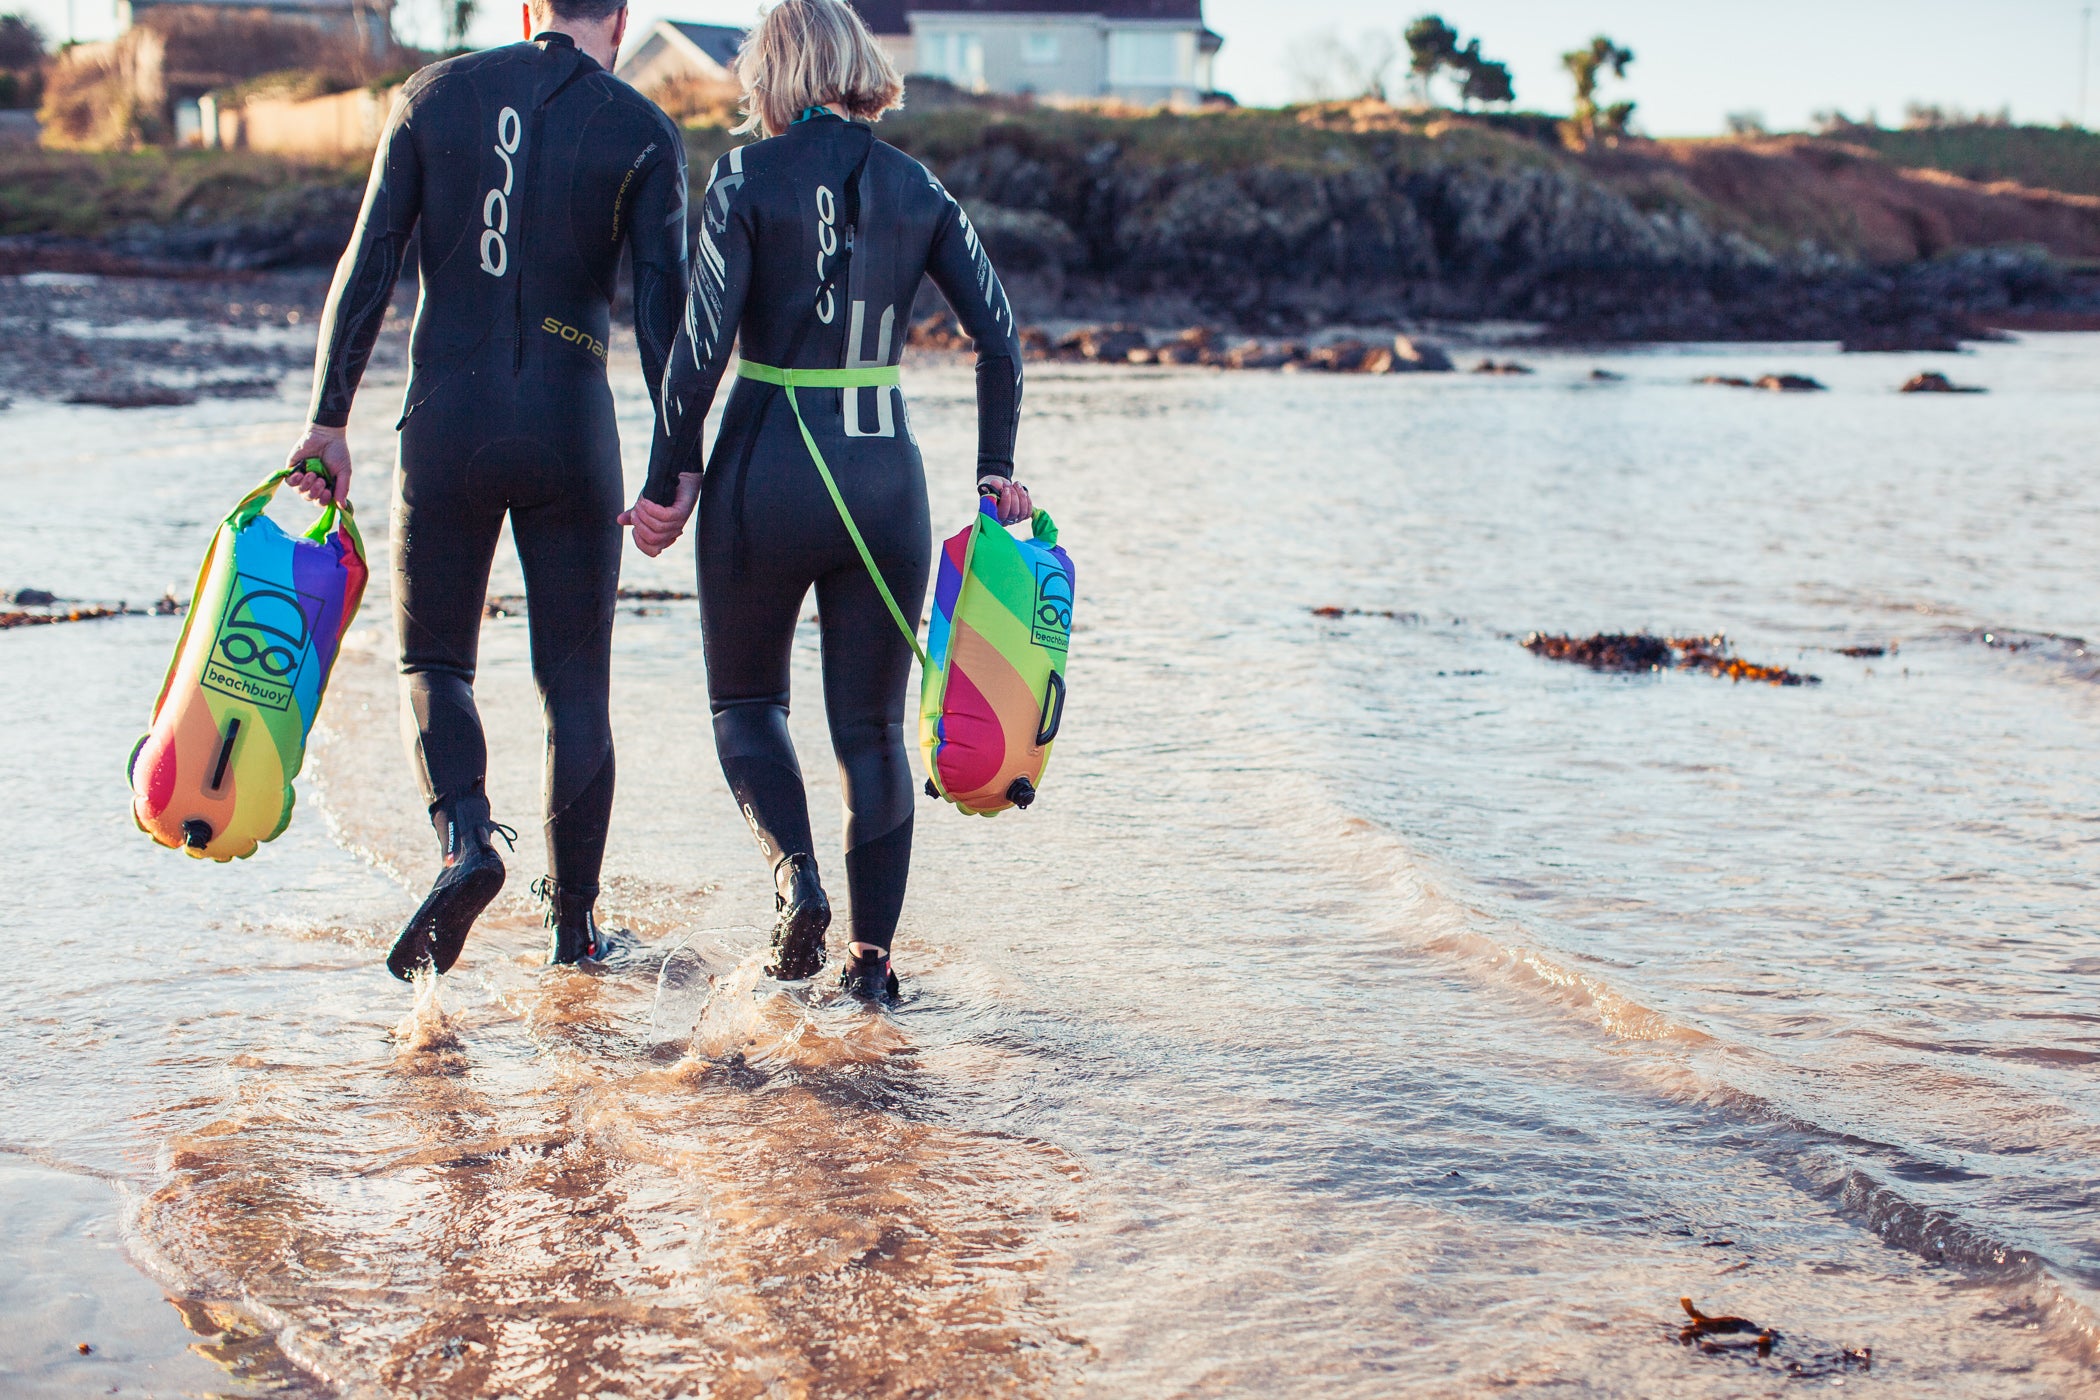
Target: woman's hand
{"points": [[1012, 497], [332, 446], [656, 528]]}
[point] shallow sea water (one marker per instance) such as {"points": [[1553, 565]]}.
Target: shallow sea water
{"points": [[1367, 1008]]}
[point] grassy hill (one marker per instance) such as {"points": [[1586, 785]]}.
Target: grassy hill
{"points": [[2041, 157], [96, 195]]}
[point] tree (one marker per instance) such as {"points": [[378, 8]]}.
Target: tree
{"points": [[1325, 68], [21, 42], [459, 17], [1746, 124], [1432, 46], [1486, 80], [1587, 67]]}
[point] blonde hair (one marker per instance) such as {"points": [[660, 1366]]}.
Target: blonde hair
{"points": [[806, 53]]}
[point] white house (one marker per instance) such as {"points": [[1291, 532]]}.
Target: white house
{"points": [[673, 51], [1147, 52]]}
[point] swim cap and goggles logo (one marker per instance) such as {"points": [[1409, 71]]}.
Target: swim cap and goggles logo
{"points": [[1053, 608], [264, 639], [495, 206]]}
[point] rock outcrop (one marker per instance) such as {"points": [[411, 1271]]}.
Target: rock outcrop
{"points": [[1651, 244], [1933, 382]]}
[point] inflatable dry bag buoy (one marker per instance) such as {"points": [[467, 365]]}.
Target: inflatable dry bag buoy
{"points": [[213, 775], [993, 693], [992, 672]]}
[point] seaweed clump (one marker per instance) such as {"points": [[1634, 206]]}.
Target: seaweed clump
{"points": [[38, 607], [1606, 651], [1750, 1339], [1714, 656], [1703, 1327], [1642, 651], [12, 619]]}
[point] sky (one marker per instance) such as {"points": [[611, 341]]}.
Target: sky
{"points": [[1696, 61]]}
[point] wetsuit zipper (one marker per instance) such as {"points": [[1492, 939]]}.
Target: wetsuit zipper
{"points": [[841, 267], [532, 165]]}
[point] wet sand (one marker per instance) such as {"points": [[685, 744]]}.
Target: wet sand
{"points": [[67, 1280]]}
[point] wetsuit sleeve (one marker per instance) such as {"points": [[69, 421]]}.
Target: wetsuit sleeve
{"points": [[963, 271], [656, 243], [365, 277], [714, 304]]}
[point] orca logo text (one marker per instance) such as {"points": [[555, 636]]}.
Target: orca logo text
{"points": [[495, 206]]}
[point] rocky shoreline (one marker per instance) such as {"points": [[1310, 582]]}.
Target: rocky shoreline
{"points": [[136, 342]]}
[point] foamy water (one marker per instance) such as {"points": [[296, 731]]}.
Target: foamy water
{"points": [[1369, 1007]]}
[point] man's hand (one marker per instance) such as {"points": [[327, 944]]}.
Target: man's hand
{"points": [[656, 528], [1012, 498], [332, 446]]}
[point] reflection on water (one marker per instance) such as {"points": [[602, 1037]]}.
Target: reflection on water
{"points": [[1368, 1007]]}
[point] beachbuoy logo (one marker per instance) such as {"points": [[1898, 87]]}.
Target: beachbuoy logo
{"points": [[265, 636], [495, 206], [1053, 608]]}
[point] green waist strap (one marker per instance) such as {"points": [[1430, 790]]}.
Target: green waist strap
{"points": [[865, 377], [862, 377]]}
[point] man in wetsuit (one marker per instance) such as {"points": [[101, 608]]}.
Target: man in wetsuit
{"points": [[522, 172], [812, 246]]}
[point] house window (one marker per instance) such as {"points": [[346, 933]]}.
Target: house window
{"points": [[1039, 47], [955, 56], [1147, 57]]}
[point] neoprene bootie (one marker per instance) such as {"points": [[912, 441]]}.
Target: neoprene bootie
{"points": [[867, 974], [803, 912], [573, 918], [471, 877]]}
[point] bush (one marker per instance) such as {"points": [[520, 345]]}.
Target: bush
{"points": [[21, 43], [88, 102], [698, 101], [21, 89]]}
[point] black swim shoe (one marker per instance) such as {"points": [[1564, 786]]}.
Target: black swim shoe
{"points": [[576, 937], [473, 875], [867, 975], [804, 914]]}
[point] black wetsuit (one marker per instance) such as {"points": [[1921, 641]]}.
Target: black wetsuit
{"points": [[771, 229], [527, 168]]}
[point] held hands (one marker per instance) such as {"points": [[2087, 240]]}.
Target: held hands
{"points": [[656, 528], [1011, 497], [332, 446]]}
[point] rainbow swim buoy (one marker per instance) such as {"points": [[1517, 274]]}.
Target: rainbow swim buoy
{"points": [[213, 776], [993, 693]]}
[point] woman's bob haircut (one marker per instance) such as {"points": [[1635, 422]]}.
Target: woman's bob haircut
{"points": [[806, 53]]}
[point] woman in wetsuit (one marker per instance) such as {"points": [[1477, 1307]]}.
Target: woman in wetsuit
{"points": [[811, 247]]}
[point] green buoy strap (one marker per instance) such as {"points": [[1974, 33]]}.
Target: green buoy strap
{"points": [[866, 377], [859, 377]]}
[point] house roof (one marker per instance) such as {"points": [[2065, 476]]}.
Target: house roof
{"points": [[139, 7], [890, 16], [718, 41]]}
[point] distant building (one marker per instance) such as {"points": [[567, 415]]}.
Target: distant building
{"points": [[1147, 52], [674, 51], [370, 20]]}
